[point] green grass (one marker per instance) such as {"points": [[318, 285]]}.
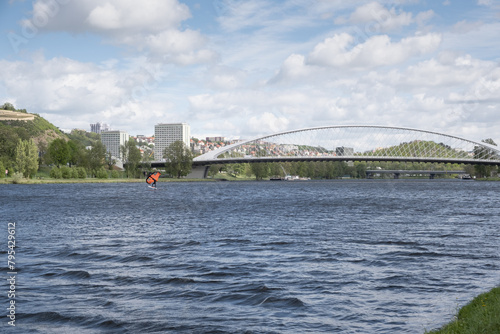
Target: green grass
{"points": [[480, 316]]}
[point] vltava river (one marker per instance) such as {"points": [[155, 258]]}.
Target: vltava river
{"points": [[249, 257]]}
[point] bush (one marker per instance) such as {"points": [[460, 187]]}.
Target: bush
{"points": [[66, 172], [55, 173], [102, 174], [2, 170], [114, 174], [17, 178], [74, 173], [82, 173]]}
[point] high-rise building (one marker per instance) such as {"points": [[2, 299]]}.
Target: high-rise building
{"points": [[99, 127], [168, 133], [113, 140], [344, 151]]}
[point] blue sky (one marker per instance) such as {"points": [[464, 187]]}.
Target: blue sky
{"points": [[241, 69]]}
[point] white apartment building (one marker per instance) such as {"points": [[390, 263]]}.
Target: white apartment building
{"points": [[168, 133], [113, 140], [99, 127]]}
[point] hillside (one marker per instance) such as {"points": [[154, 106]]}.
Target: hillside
{"points": [[8, 115], [30, 126], [409, 149]]}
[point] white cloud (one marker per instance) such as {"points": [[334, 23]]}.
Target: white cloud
{"points": [[268, 123], [378, 50], [268, 66], [464, 27], [485, 2], [80, 93], [152, 26], [387, 20]]}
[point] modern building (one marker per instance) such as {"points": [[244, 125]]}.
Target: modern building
{"points": [[344, 151], [168, 133], [113, 141], [99, 127], [214, 139]]}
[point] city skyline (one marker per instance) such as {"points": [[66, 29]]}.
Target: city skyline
{"points": [[246, 69]]}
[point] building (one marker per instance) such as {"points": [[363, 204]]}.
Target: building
{"points": [[113, 141], [214, 139], [344, 151], [99, 127], [168, 133]]}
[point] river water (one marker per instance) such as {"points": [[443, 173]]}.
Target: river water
{"points": [[249, 257]]}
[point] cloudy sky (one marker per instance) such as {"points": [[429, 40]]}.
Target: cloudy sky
{"points": [[240, 68]]}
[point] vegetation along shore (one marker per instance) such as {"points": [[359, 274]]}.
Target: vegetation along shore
{"points": [[480, 316]]}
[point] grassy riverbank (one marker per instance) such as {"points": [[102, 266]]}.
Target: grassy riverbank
{"points": [[88, 180], [480, 316]]}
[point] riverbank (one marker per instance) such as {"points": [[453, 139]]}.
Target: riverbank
{"points": [[89, 180], [225, 177], [481, 315]]}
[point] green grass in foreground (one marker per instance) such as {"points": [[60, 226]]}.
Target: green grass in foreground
{"points": [[480, 316]]}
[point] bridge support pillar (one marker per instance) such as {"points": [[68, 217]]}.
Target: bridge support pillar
{"points": [[198, 172], [431, 176], [396, 176]]}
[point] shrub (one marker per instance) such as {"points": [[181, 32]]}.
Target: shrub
{"points": [[17, 178], [55, 173], [102, 174], [74, 173], [82, 173], [114, 174], [2, 170], [66, 172]]}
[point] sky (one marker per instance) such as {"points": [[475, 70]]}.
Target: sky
{"points": [[243, 69]]}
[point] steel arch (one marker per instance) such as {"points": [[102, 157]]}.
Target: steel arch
{"points": [[388, 143]]}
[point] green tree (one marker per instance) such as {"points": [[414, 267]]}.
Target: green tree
{"points": [[131, 156], [26, 157], [59, 152], [360, 169], [260, 170], [96, 157], [179, 159], [484, 153], [32, 156], [74, 152], [8, 106], [8, 142], [2, 170], [110, 161]]}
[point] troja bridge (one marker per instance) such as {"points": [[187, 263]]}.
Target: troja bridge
{"points": [[351, 143]]}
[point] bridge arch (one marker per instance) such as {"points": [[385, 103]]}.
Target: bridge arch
{"points": [[356, 142]]}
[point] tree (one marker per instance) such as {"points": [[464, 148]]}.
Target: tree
{"points": [[2, 170], [360, 169], [131, 156], [74, 152], [484, 153], [110, 161], [26, 157], [8, 106], [96, 157], [59, 152], [260, 169], [8, 143], [179, 159]]}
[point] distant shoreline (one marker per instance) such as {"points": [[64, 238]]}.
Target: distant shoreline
{"points": [[75, 181], [10, 180]]}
